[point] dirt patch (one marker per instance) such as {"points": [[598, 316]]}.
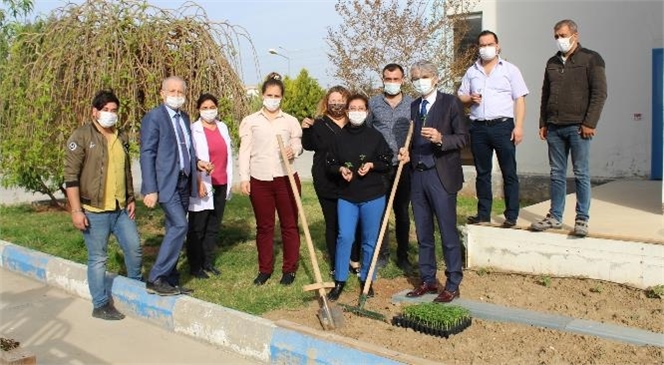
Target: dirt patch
{"points": [[487, 342]]}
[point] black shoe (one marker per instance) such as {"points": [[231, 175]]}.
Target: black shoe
{"points": [[161, 287], [509, 223], [370, 293], [405, 265], [287, 278], [261, 278], [184, 290], [354, 268], [475, 219], [200, 274], [107, 312], [334, 294], [212, 269]]}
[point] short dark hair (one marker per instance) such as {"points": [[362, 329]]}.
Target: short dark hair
{"points": [[104, 97], [205, 97], [358, 96], [486, 32], [273, 79], [392, 67]]}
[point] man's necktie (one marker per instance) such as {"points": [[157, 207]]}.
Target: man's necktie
{"points": [[423, 110], [184, 151]]}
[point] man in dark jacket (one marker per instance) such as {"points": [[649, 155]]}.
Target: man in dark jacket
{"points": [[573, 95], [439, 134]]}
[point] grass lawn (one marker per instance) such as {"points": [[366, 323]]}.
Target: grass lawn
{"points": [[52, 232]]}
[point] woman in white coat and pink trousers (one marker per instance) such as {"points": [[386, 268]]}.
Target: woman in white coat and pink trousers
{"points": [[212, 143]]}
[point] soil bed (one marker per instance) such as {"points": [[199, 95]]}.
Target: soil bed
{"points": [[487, 342]]}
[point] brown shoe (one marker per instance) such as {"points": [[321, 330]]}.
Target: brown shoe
{"points": [[425, 288], [447, 296]]}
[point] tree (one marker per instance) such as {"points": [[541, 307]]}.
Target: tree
{"points": [[302, 95], [9, 13], [374, 33], [53, 71]]}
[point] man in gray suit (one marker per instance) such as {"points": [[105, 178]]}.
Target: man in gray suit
{"points": [[168, 168]]}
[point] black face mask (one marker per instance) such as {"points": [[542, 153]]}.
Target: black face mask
{"points": [[336, 110]]}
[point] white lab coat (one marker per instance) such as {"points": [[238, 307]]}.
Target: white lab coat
{"points": [[202, 153]]}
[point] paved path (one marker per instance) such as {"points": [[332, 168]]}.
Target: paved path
{"points": [[58, 329]]}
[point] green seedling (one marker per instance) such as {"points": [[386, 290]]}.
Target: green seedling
{"points": [[597, 289], [655, 292], [544, 281]]}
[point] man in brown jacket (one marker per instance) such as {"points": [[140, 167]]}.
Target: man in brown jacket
{"points": [[573, 95], [101, 196]]}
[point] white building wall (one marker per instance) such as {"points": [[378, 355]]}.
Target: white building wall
{"points": [[624, 33]]}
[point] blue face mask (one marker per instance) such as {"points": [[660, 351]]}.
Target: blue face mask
{"points": [[392, 88]]}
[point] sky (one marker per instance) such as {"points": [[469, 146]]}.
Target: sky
{"points": [[295, 29]]}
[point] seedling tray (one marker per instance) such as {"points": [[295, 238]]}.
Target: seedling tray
{"points": [[434, 319], [401, 321]]}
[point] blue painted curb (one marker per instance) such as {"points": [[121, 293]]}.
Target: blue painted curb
{"points": [[131, 294], [26, 261], [292, 347]]}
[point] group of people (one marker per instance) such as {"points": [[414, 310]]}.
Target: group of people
{"points": [[357, 143]]}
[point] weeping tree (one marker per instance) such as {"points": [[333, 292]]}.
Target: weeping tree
{"points": [[54, 69], [374, 33]]}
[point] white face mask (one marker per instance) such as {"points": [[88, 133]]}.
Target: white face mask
{"points": [[107, 119], [488, 53], [392, 88], [564, 44], [209, 115], [357, 118], [423, 86], [272, 104], [175, 102]]}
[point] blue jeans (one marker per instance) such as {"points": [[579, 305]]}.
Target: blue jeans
{"points": [[101, 225], [484, 139], [370, 213], [562, 140]]}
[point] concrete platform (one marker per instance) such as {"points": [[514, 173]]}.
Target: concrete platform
{"points": [[625, 244]]}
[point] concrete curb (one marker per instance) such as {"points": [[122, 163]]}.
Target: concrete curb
{"points": [[494, 312], [254, 337]]}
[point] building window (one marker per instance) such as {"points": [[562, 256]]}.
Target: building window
{"points": [[467, 33]]}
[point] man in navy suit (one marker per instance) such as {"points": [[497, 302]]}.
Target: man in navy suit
{"points": [[168, 168], [435, 155]]}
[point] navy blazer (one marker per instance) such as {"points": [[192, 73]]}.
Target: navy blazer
{"points": [[446, 115], [160, 167]]}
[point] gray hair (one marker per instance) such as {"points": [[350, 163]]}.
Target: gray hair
{"points": [[173, 78], [425, 67], [566, 22]]}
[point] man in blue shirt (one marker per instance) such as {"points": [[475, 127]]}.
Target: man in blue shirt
{"points": [[390, 115], [496, 92]]}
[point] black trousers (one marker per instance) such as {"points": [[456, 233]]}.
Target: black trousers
{"points": [[401, 214], [329, 208], [203, 232]]}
